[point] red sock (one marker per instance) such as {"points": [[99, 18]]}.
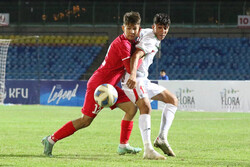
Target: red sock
{"points": [[65, 131], [126, 129]]}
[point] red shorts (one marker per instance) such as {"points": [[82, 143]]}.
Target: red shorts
{"points": [[91, 108]]}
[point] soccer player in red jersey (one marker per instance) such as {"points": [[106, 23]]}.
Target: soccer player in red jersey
{"points": [[116, 62]]}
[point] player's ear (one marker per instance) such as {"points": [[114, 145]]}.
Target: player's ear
{"points": [[153, 26], [139, 32], [123, 27]]}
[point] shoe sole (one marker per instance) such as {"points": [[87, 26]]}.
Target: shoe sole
{"points": [[159, 158], [165, 149], [128, 152], [155, 158]]}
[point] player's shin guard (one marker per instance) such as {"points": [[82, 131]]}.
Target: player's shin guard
{"points": [[167, 118], [126, 129], [145, 128], [65, 131]]}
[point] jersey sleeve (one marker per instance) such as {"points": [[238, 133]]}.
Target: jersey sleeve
{"points": [[147, 44], [125, 53]]}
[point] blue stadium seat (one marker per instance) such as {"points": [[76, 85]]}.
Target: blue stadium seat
{"points": [[182, 58], [24, 62], [204, 58]]}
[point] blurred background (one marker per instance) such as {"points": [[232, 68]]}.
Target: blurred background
{"points": [[68, 40]]}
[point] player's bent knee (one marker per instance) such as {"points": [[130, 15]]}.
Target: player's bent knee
{"points": [[145, 109], [144, 106], [172, 100]]}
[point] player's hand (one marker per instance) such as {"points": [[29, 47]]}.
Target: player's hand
{"points": [[131, 82]]}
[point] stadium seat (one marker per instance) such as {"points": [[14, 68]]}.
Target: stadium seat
{"points": [[182, 58], [216, 58], [52, 56]]}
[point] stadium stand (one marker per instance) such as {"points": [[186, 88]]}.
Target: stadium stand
{"points": [[68, 57], [204, 59], [52, 57]]}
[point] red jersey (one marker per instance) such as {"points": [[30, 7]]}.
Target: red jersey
{"points": [[117, 60]]}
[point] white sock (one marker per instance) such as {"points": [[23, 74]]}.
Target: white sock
{"points": [[145, 128], [50, 140], [123, 145], [167, 118]]}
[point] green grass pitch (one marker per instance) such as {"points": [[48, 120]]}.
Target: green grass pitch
{"points": [[198, 138]]}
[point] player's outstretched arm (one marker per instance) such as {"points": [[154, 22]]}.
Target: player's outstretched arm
{"points": [[135, 61]]}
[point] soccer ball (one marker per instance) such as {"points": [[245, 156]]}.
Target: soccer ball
{"points": [[105, 95]]}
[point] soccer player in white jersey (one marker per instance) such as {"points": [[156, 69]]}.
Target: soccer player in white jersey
{"points": [[140, 90]]}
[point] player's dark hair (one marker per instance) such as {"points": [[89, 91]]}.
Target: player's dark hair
{"points": [[131, 18], [163, 71], [162, 19]]}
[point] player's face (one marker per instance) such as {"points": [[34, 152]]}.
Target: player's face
{"points": [[131, 31], [160, 31]]}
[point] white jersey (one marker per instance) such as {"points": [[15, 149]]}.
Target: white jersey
{"points": [[149, 44]]}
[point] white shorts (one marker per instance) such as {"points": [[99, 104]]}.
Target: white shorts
{"points": [[144, 88]]}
